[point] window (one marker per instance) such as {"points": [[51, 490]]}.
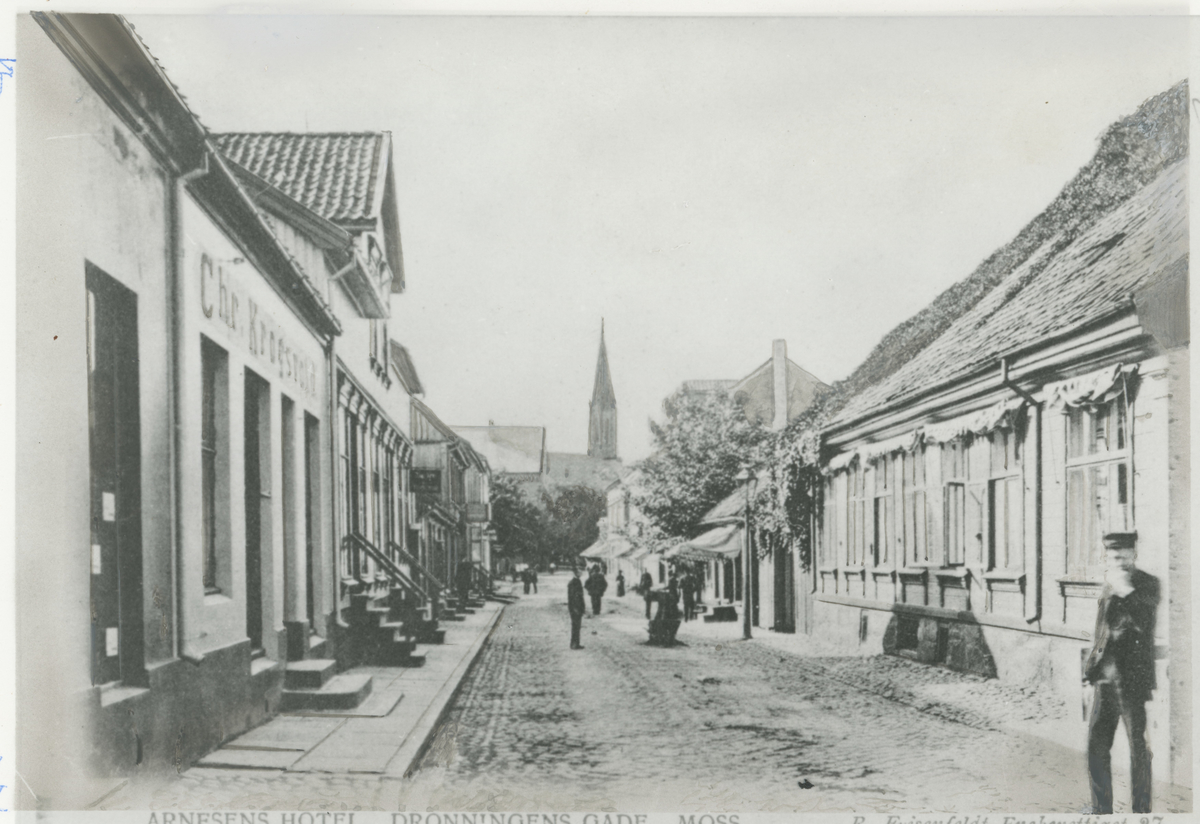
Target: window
{"points": [[1098, 483], [1006, 516], [916, 515], [379, 350], [214, 428], [954, 475], [856, 516], [885, 522], [829, 542]]}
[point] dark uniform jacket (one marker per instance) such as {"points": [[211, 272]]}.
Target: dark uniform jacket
{"points": [[575, 596], [597, 584], [1123, 652]]}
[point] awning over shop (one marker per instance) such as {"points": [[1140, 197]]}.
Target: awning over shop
{"points": [[717, 544], [596, 552], [1092, 388], [619, 548], [1002, 415]]}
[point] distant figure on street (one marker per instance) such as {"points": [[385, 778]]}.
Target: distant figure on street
{"points": [[533, 578], [525, 579], [620, 584], [575, 606], [1121, 666], [462, 581], [596, 585], [553, 568], [646, 585], [687, 586]]}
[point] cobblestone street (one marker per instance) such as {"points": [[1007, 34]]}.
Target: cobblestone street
{"points": [[713, 724], [720, 724]]}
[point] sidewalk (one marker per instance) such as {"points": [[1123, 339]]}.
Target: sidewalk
{"points": [[384, 737]]}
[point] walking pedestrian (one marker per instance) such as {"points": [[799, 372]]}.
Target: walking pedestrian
{"points": [[646, 585], [533, 578], [1121, 668], [688, 587], [620, 584], [575, 606], [525, 579], [596, 585]]}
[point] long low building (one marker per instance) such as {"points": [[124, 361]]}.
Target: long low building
{"points": [[967, 493]]}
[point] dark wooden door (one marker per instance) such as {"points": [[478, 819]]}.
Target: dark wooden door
{"points": [[312, 447], [256, 464], [114, 437]]}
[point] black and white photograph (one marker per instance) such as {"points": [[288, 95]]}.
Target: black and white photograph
{"points": [[453, 414]]}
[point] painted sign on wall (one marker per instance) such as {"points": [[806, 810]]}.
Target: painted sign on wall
{"points": [[225, 298]]}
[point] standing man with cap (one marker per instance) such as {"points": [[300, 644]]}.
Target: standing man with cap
{"points": [[575, 606], [1121, 667]]}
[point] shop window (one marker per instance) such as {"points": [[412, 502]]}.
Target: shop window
{"points": [[214, 464], [1099, 476]]}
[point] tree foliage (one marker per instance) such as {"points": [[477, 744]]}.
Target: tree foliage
{"points": [[701, 446], [517, 522], [556, 527], [572, 522]]}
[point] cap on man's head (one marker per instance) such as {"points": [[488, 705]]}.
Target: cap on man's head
{"points": [[1120, 540]]}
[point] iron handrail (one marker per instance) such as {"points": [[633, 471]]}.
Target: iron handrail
{"points": [[387, 564], [409, 558]]}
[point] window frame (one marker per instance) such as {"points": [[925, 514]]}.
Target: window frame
{"points": [[1081, 465]]}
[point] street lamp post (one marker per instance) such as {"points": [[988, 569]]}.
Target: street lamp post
{"points": [[747, 479]]}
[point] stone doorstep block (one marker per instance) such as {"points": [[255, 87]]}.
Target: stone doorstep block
{"points": [[310, 674], [286, 733], [250, 759], [342, 692]]}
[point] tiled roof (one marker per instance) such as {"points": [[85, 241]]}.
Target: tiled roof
{"points": [[337, 175], [702, 386], [572, 469], [1054, 292]]}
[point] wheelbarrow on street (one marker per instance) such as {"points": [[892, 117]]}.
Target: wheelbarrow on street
{"points": [[667, 618]]}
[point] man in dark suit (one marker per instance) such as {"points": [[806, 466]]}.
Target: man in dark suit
{"points": [[1121, 666], [596, 586], [575, 606]]}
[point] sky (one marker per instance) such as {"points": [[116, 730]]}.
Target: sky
{"points": [[704, 185]]}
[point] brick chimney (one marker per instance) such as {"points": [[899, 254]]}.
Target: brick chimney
{"points": [[779, 373]]}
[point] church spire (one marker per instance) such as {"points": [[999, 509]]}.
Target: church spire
{"points": [[602, 420]]}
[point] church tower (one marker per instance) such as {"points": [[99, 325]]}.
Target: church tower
{"points": [[602, 423]]}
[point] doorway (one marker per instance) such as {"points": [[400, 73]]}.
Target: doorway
{"points": [[114, 445], [257, 464]]}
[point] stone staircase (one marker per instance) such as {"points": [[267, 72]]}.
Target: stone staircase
{"points": [[313, 684]]}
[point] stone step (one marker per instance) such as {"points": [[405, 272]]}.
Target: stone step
{"points": [[431, 635], [309, 674], [316, 646], [342, 692]]}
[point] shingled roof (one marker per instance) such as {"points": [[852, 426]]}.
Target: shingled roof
{"points": [[1062, 287], [338, 175]]}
